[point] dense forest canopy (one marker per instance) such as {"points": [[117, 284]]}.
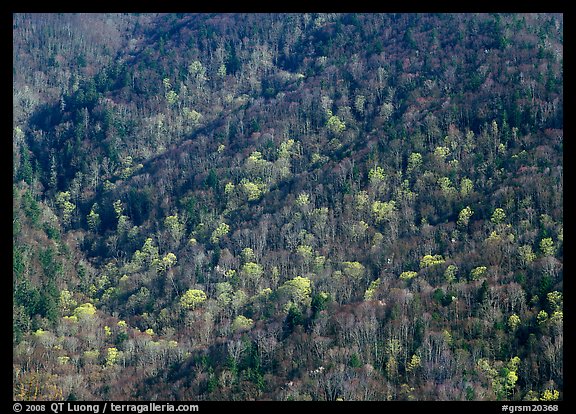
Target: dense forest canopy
{"points": [[288, 206]]}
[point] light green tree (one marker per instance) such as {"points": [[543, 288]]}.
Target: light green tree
{"points": [[242, 323], [498, 216], [450, 273], [252, 271], [555, 300], [542, 317], [229, 188], [286, 148], [478, 272], [67, 301], [112, 356], [464, 217], [354, 270], [431, 260], [192, 298], [303, 199], [392, 349], [223, 294], [335, 125], [86, 310], [175, 227], [466, 186], [149, 250], [305, 251], [219, 232], [221, 71], [118, 208], [550, 395], [547, 246], [414, 363], [166, 263], [371, 291], [359, 103], [247, 255], [446, 186], [526, 254], [66, 206], [414, 162], [408, 274], [194, 117], [252, 190], [298, 290], [514, 322], [93, 218], [383, 211], [441, 152], [197, 70], [503, 380], [376, 176]]}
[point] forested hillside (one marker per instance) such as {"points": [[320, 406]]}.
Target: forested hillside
{"points": [[288, 206]]}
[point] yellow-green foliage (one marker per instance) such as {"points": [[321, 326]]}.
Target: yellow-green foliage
{"points": [[93, 218], [298, 289], [526, 254], [66, 207], [542, 317], [85, 310], [193, 117], [477, 272], [285, 148], [303, 199], [371, 291], [174, 226], [242, 323], [67, 301], [547, 246], [464, 216], [498, 216], [450, 273], [550, 395], [431, 260], [247, 255], [252, 190], [252, 270], [376, 175], [219, 232], [229, 188], [414, 363], [441, 152], [466, 187], [383, 211], [514, 322], [335, 125], [305, 251], [414, 161], [192, 298], [112, 356], [446, 186], [502, 377], [354, 270], [166, 263], [555, 300], [407, 275]]}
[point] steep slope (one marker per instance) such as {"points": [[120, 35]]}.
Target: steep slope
{"points": [[293, 207]]}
